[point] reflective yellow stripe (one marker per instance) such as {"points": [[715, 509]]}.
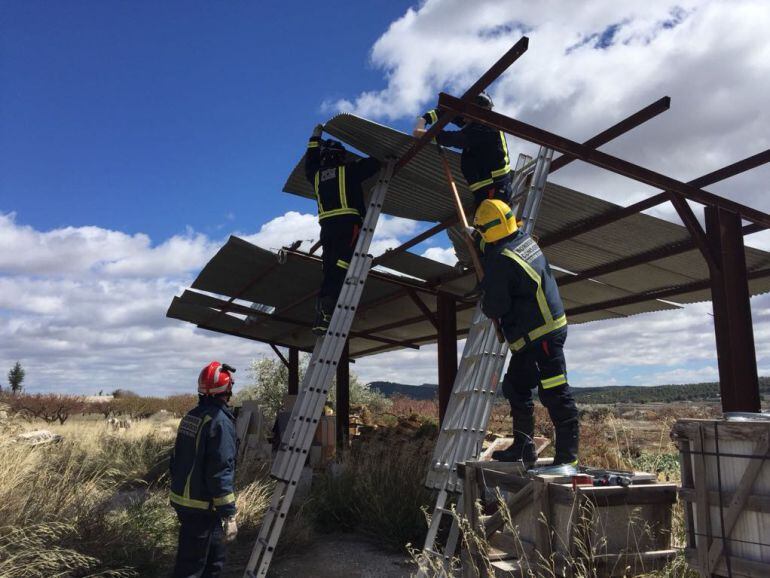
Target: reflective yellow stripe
{"points": [[318, 195], [549, 323], [206, 420], [190, 503], [224, 500], [518, 344], [476, 186], [555, 381], [313, 144], [342, 264], [337, 212], [433, 116], [548, 327], [341, 184], [506, 161], [500, 172]]}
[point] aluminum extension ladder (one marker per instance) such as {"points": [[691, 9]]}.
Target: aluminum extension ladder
{"points": [[475, 387], [305, 415]]}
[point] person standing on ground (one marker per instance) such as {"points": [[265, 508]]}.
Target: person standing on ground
{"points": [[338, 187], [203, 477], [520, 291]]}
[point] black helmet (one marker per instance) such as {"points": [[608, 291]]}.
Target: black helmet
{"points": [[483, 100], [332, 153]]}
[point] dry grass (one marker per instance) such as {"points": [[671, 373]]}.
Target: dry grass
{"points": [[96, 503]]}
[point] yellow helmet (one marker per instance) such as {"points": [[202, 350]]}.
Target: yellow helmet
{"points": [[494, 220]]}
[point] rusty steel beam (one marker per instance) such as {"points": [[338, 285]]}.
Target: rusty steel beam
{"points": [[416, 240], [343, 398], [479, 86], [598, 158], [601, 220], [431, 338], [235, 334], [280, 355], [393, 280], [666, 294], [614, 215], [424, 308], [694, 227], [625, 125], [618, 129], [224, 306], [738, 380], [446, 348], [630, 261], [293, 371]]}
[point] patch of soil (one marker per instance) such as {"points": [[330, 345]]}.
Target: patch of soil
{"points": [[331, 556]]}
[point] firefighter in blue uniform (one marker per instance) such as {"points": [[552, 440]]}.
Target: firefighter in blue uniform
{"points": [[202, 477], [484, 161], [520, 291], [340, 197]]}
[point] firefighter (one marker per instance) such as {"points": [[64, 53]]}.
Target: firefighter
{"points": [[340, 197], [484, 160], [520, 291], [202, 477]]}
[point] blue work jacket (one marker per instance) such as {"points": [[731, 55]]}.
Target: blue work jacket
{"points": [[519, 289], [203, 462]]}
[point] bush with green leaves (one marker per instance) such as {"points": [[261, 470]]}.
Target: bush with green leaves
{"points": [[269, 385]]}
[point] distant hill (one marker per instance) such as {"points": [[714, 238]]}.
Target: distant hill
{"points": [[390, 389], [602, 394]]}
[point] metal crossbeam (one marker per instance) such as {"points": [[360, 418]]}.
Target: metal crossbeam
{"points": [[598, 158]]}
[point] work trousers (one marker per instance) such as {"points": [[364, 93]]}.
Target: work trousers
{"points": [[201, 551], [542, 365], [502, 190], [338, 240]]}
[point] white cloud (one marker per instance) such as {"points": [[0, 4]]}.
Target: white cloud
{"points": [[84, 307], [285, 230], [441, 255], [588, 66]]}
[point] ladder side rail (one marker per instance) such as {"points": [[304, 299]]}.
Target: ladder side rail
{"points": [[476, 428], [332, 344], [315, 397], [467, 424]]}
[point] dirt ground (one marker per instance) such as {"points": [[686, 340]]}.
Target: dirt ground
{"points": [[331, 556]]}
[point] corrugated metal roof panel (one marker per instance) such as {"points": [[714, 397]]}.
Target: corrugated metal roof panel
{"points": [[417, 266]]}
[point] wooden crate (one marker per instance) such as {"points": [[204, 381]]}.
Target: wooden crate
{"points": [[726, 490], [616, 531]]}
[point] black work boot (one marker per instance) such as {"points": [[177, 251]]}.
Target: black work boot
{"points": [[517, 452], [323, 316], [523, 448], [567, 438]]}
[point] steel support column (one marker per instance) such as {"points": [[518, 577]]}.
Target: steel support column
{"points": [[446, 316], [343, 398], [293, 371], [738, 382]]}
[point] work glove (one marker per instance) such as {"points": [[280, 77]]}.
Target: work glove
{"points": [[318, 130], [419, 127], [230, 528]]}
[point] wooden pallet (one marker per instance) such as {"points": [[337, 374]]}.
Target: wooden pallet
{"points": [[615, 530]]}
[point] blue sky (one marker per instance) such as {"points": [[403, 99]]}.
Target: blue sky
{"points": [[136, 136], [154, 116]]}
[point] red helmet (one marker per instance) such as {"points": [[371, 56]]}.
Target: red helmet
{"points": [[216, 378]]}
